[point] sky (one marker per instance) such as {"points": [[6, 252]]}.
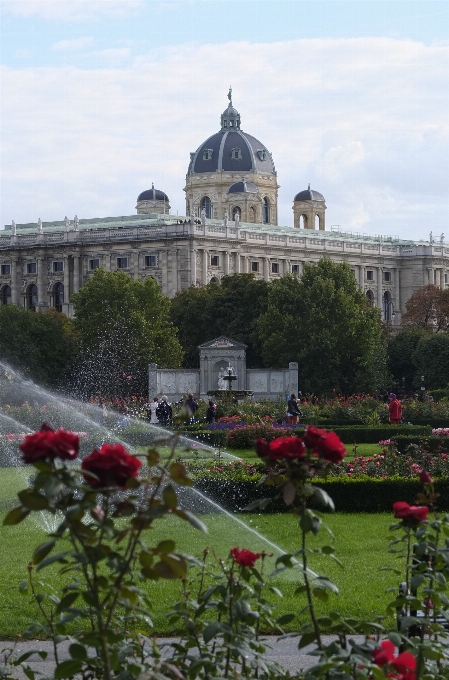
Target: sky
{"points": [[100, 98]]}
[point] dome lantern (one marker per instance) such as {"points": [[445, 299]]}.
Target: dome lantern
{"points": [[309, 208]]}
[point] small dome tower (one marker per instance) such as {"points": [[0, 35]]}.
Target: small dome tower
{"points": [[309, 207], [153, 201]]}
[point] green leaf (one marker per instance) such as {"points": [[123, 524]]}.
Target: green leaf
{"points": [[211, 631], [15, 516], [66, 602], [59, 557], [171, 567], [33, 500], [165, 547], [260, 503], [327, 549], [323, 498], [67, 669], [169, 496], [320, 594], [178, 474], [289, 493], [306, 639], [192, 519], [286, 618], [78, 651], [42, 551]]}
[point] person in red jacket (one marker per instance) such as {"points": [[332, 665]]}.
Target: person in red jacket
{"points": [[395, 410]]}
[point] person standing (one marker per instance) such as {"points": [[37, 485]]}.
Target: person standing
{"points": [[210, 413], [293, 410], [395, 410], [191, 407], [164, 412], [151, 413]]}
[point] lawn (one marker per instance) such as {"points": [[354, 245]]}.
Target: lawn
{"points": [[361, 545], [351, 449]]}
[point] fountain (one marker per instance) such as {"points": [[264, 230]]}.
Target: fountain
{"points": [[88, 419]]}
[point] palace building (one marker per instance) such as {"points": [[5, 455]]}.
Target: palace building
{"points": [[231, 226]]}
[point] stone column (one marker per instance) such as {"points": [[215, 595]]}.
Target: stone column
{"points": [[237, 263], [362, 276], [107, 261], [266, 268], [42, 297], [76, 273], [204, 267], [293, 378], [66, 279], [379, 287], [192, 266], [135, 268], [443, 282], [15, 287], [287, 267], [397, 286], [226, 262]]}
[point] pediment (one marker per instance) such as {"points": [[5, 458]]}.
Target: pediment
{"points": [[222, 342]]}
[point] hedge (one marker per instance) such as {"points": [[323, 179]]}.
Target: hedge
{"points": [[364, 434], [349, 495]]}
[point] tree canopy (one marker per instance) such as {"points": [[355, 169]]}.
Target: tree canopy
{"points": [[231, 309], [324, 322], [42, 346], [123, 325], [401, 356], [427, 308]]}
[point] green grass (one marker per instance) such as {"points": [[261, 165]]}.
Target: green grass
{"points": [[358, 450], [360, 544]]}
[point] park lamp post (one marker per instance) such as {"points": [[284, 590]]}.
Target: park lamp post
{"points": [[423, 389]]}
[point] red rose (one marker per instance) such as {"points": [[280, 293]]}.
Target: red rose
{"points": [[286, 447], [46, 443], [425, 478], [244, 557], [410, 513], [385, 654], [262, 448], [112, 464], [313, 436], [326, 445], [404, 662], [331, 448]]}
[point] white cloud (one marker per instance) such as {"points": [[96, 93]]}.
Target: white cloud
{"points": [[75, 44], [365, 121], [71, 10]]}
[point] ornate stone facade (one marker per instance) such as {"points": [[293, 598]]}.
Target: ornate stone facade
{"points": [[42, 264]]}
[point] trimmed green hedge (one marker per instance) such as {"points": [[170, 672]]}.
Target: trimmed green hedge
{"points": [[364, 434], [349, 495]]}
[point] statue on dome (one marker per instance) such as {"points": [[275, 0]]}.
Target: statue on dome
{"points": [[76, 223], [230, 94], [442, 239], [13, 228], [203, 217], [237, 219], [67, 223], [40, 229], [226, 217], [431, 237]]}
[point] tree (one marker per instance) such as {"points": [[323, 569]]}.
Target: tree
{"points": [[123, 326], [431, 358], [231, 309], [427, 308], [42, 346], [401, 349], [324, 322]]}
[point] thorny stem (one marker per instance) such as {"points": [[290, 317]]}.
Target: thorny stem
{"points": [[316, 627], [231, 618], [47, 618]]}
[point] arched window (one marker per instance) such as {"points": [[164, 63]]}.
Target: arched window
{"points": [[266, 211], [252, 215], [388, 306], [32, 297], [214, 280], [206, 205], [370, 297], [236, 211], [302, 222], [317, 221], [58, 292], [6, 295]]}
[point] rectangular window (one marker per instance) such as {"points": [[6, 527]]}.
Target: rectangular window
{"points": [[122, 262], [295, 268], [275, 268], [370, 275], [94, 264], [150, 260], [31, 267], [236, 154], [5, 269], [207, 154], [387, 276], [58, 266], [254, 266], [214, 260]]}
